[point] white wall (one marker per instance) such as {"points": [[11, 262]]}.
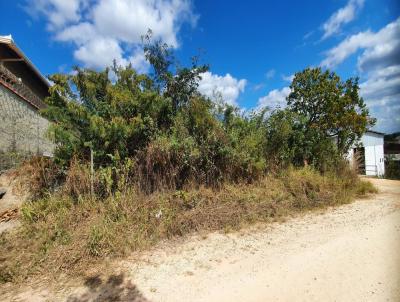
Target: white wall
{"points": [[374, 160], [374, 155], [372, 139]]}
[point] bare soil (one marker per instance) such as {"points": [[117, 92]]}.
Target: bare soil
{"points": [[9, 203], [348, 253]]}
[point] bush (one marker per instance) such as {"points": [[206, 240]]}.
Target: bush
{"points": [[392, 168], [175, 136]]}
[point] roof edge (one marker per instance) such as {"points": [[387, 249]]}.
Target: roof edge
{"points": [[9, 40], [376, 132]]}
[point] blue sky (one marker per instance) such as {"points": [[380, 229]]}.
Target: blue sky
{"points": [[253, 47]]}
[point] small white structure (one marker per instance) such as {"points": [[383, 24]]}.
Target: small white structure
{"points": [[368, 154]]}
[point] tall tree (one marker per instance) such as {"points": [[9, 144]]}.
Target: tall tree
{"points": [[176, 82], [331, 107]]}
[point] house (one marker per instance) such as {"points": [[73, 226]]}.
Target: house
{"points": [[22, 91], [368, 154]]}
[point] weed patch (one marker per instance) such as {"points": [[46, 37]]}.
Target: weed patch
{"points": [[65, 234]]}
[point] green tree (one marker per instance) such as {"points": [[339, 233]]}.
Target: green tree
{"points": [[331, 108], [116, 118], [118, 114], [176, 82]]}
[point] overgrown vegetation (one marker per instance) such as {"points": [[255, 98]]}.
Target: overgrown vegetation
{"points": [[168, 161], [392, 168], [66, 233], [175, 136]]}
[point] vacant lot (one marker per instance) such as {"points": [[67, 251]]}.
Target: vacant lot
{"points": [[348, 253]]}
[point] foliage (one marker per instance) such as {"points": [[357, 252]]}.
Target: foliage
{"points": [[290, 142], [182, 85], [175, 137], [114, 119], [392, 168], [168, 161], [331, 108]]}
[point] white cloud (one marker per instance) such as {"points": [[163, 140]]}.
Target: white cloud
{"points": [[274, 99], [100, 52], [388, 117], [104, 30], [308, 35], [127, 20], [343, 16], [381, 92], [382, 84], [385, 52], [270, 74], [79, 34], [379, 64], [139, 62], [288, 78], [380, 46], [58, 12], [228, 87], [259, 86]]}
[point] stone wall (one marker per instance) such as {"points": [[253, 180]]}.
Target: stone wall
{"points": [[22, 129]]}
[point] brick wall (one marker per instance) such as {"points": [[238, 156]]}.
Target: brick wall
{"points": [[22, 129]]}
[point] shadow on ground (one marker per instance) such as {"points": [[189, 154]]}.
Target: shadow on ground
{"points": [[116, 288]]}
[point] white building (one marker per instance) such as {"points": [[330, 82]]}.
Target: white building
{"points": [[368, 154]]}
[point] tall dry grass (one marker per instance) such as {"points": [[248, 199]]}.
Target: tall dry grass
{"points": [[68, 230]]}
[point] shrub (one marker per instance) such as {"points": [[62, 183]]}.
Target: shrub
{"points": [[176, 136], [392, 168]]}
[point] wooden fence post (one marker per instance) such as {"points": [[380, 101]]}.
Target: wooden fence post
{"points": [[91, 174]]}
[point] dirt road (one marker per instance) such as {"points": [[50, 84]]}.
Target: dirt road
{"points": [[350, 253]]}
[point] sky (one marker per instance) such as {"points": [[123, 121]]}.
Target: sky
{"points": [[253, 47]]}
